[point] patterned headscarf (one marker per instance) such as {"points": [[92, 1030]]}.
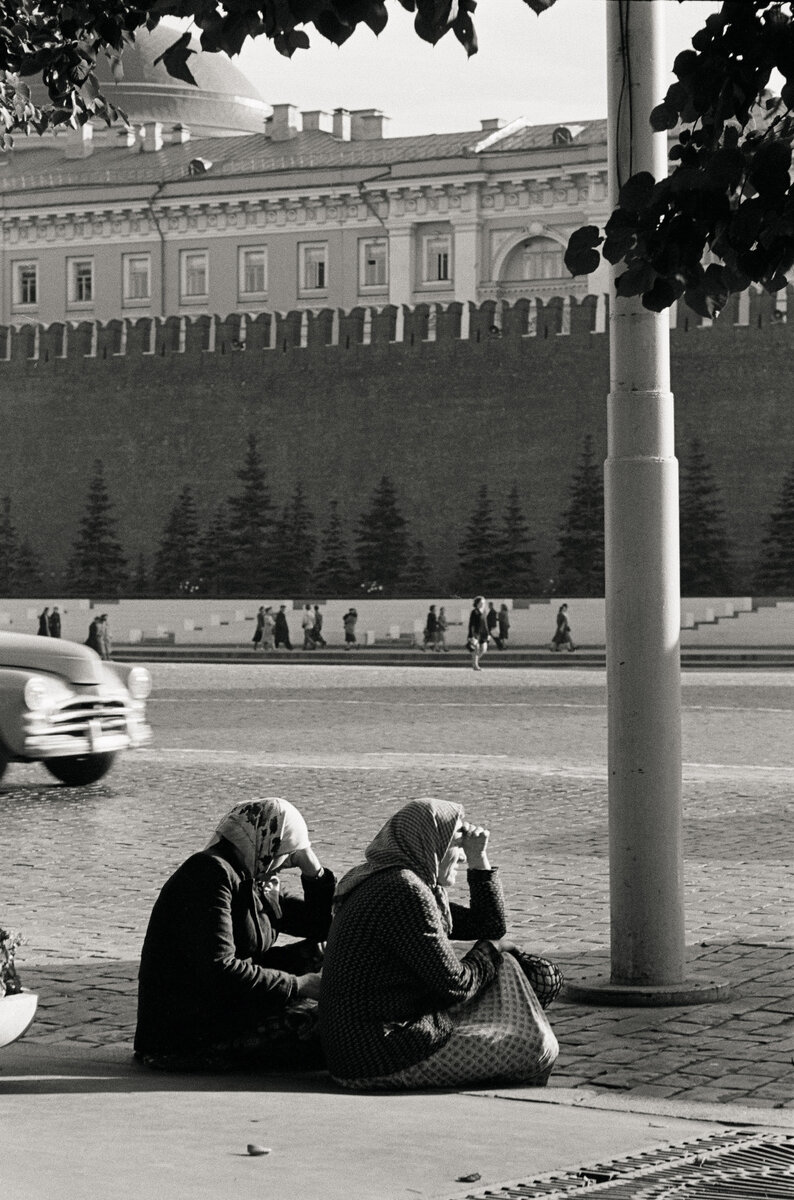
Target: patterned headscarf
{"points": [[416, 838], [260, 831]]}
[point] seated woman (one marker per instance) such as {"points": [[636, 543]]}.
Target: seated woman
{"points": [[213, 993], [398, 1009]]}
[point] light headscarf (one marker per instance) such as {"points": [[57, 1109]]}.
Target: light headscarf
{"points": [[261, 831], [416, 839]]}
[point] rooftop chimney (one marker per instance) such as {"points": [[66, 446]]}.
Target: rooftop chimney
{"points": [[178, 135], [342, 124], [367, 125], [151, 136], [285, 123], [80, 142], [489, 124], [317, 119]]}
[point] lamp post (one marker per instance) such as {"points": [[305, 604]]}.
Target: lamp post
{"points": [[643, 605]]}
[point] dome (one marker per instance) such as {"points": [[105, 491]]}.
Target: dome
{"points": [[225, 101]]}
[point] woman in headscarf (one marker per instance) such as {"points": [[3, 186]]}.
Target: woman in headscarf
{"points": [[398, 1009], [213, 991]]}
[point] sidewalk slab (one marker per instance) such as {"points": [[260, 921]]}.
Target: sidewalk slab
{"points": [[80, 1124]]}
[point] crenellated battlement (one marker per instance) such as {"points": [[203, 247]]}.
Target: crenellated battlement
{"points": [[527, 320]]}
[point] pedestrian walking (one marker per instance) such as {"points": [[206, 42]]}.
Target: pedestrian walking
{"points": [[441, 631], [105, 643], [477, 640], [93, 640], [260, 625], [44, 623], [492, 621], [268, 623], [317, 628], [562, 634], [54, 623], [431, 629], [281, 629], [307, 625], [504, 626], [349, 622]]}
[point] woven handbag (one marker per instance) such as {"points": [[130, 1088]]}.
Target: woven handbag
{"points": [[545, 977]]}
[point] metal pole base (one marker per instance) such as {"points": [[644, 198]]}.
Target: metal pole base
{"points": [[695, 989]]}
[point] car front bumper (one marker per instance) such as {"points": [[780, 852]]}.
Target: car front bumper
{"points": [[42, 741]]}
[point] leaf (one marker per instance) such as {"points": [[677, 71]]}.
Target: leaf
{"points": [[621, 235], [639, 278], [662, 295], [175, 59], [636, 192], [769, 170], [540, 6], [663, 117], [581, 257]]}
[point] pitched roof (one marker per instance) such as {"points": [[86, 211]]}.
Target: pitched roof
{"points": [[45, 167]]}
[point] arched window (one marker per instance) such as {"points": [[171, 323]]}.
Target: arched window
{"points": [[542, 259]]}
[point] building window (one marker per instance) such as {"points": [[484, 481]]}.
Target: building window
{"points": [[373, 260], [438, 258], [543, 259], [26, 284], [137, 276], [194, 274], [314, 267], [81, 281], [252, 271]]}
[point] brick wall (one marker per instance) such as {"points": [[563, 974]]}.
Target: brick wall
{"points": [[428, 396]]}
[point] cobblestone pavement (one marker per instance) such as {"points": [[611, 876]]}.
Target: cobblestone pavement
{"points": [[524, 751]]}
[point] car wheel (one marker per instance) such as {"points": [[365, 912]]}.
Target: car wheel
{"points": [[79, 769]]}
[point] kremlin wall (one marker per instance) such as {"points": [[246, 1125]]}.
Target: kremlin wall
{"points": [[439, 398]]}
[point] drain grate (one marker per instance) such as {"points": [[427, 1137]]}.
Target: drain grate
{"points": [[726, 1166]]}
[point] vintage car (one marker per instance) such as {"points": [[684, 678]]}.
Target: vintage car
{"points": [[62, 705]]}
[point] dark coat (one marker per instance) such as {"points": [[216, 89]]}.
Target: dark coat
{"points": [[391, 973], [208, 967], [55, 624], [478, 626]]}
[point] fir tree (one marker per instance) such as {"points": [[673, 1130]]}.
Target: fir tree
{"points": [[9, 550], [250, 518], [175, 566], [705, 552], [333, 575], [418, 575], [479, 551], [580, 551], [293, 544], [382, 541], [29, 575], [213, 555], [515, 556], [141, 581], [775, 571], [98, 566]]}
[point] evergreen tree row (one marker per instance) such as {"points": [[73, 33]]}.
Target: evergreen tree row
{"points": [[252, 547]]}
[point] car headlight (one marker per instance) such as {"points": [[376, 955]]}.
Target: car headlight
{"points": [[35, 694], [139, 682]]}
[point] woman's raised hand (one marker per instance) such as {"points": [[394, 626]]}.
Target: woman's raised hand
{"points": [[307, 861], [474, 842]]}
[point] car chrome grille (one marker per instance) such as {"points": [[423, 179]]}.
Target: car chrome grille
{"points": [[74, 718]]}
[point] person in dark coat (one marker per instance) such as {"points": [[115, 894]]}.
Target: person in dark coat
{"points": [[398, 1008], [477, 637], [317, 629], [431, 629], [504, 626], [44, 623], [492, 622], [94, 639], [214, 991], [54, 623], [281, 629], [562, 634]]}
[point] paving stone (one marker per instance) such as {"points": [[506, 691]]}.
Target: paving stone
{"points": [[540, 788]]}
